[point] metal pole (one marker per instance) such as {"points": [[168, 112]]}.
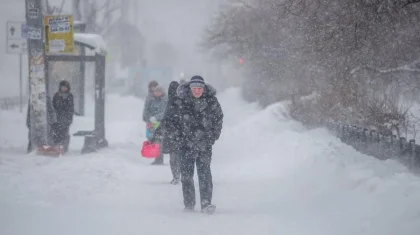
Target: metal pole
{"points": [[76, 10], [82, 83], [37, 83], [20, 84], [100, 96]]}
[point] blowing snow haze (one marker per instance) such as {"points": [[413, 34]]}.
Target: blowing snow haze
{"points": [[177, 23], [296, 118], [180, 23]]}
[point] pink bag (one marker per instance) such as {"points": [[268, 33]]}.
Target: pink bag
{"points": [[150, 150]]}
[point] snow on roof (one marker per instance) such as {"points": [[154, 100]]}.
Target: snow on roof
{"points": [[94, 40]]}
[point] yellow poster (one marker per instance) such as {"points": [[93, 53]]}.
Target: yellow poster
{"points": [[59, 34]]}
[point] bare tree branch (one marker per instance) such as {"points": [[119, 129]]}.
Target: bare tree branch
{"points": [[409, 2], [60, 10]]}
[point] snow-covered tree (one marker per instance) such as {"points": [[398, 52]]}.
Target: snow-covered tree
{"points": [[354, 54]]}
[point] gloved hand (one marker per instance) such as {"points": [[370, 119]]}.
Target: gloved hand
{"points": [[201, 142], [152, 119], [210, 139], [156, 139]]}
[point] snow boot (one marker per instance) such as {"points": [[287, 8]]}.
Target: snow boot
{"points": [[175, 181], [208, 209], [189, 209], [157, 163]]}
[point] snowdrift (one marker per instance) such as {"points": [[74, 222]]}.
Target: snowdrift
{"points": [[271, 176]]}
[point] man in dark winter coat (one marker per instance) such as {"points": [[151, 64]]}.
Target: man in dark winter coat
{"points": [[169, 132], [154, 109], [63, 103], [202, 120]]}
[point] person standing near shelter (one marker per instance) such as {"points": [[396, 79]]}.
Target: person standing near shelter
{"points": [[63, 103], [202, 121]]}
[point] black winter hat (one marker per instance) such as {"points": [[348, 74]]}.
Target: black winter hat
{"points": [[197, 81], [64, 83]]}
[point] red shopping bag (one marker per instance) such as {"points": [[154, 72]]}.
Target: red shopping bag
{"points": [[150, 150], [51, 151]]}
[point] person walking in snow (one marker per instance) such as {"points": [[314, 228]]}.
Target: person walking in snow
{"points": [[201, 125], [169, 132], [153, 111], [63, 103]]}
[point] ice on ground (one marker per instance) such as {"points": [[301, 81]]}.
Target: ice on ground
{"points": [[271, 176]]}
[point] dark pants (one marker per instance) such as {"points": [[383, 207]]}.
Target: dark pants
{"points": [[158, 160], [175, 163], [30, 145], [61, 135], [205, 181]]}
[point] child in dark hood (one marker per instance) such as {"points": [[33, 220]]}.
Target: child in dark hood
{"points": [[63, 104], [153, 111], [169, 132]]}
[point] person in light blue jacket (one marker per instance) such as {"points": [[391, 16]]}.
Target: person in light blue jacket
{"points": [[153, 112]]}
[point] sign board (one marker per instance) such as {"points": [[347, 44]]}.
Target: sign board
{"points": [[16, 42], [34, 33], [59, 34], [33, 13]]}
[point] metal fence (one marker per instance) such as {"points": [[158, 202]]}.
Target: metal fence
{"points": [[376, 144]]}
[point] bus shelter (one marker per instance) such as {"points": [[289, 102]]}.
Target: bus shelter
{"points": [[90, 50]]}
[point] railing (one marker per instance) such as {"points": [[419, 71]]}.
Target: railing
{"points": [[376, 144]]}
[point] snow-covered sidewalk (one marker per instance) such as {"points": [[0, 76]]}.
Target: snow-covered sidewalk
{"points": [[271, 176]]}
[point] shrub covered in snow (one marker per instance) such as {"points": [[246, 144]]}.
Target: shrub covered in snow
{"points": [[359, 57]]}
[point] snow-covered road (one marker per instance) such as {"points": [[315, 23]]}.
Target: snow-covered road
{"points": [[271, 176]]}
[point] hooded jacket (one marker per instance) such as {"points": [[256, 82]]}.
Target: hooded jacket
{"points": [[63, 104], [202, 118], [170, 128], [154, 107]]}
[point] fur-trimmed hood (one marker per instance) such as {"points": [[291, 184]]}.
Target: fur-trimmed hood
{"points": [[184, 91]]}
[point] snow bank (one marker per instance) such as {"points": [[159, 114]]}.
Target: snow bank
{"points": [[13, 130], [319, 179], [271, 176], [93, 40]]}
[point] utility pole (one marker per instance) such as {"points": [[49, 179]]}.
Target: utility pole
{"points": [[76, 11], [37, 82]]}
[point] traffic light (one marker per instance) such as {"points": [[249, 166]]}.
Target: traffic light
{"points": [[241, 61]]}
